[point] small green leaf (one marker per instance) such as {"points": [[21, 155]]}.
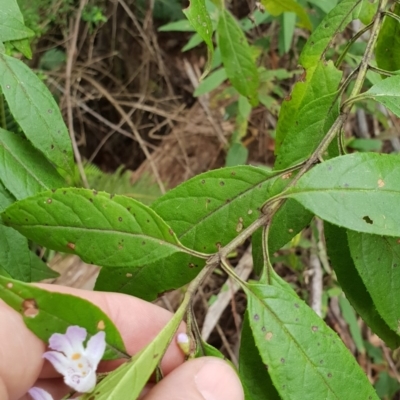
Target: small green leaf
{"points": [[199, 18], [12, 25], [377, 259], [36, 111], [386, 92], [237, 57], [386, 50], [45, 313], [277, 7], [305, 358], [24, 47], [352, 285], [177, 26], [102, 229], [307, 114], [237, 155], [257, 383], [128, 381], [23, 169], [213, 81], [290, 219], [358, 191]]}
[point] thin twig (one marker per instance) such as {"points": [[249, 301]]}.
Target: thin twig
{"points": [[71, 57]]}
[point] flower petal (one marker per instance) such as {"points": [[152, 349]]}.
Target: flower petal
{"points": [[95, 348], [81, 384], [69, 343], [61, 363], [39, 394]]}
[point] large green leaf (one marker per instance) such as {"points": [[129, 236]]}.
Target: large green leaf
{"points": [[128, 381], [387, 52], [237, 57], [107, 230], [36, 111], [377, 259], [23, 169], [227, 198], [255, 379], [358, 191], [45, 313], [199, 18], [12, 25], [386, 92], [305, 358], [309, 111], [277, 7], [352, 285]]}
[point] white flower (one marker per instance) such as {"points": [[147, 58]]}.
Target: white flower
{"points": [[39, 394], [77, 364]]}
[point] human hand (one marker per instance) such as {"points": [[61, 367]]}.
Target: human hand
{"points": [[139, 322]]}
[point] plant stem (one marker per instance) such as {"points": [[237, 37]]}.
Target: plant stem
{"points": [[351, 42], [391, 15]]}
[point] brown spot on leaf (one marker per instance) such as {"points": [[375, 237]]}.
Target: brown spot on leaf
{"points": [[49, 201], [128, 275], [268, 336], [287, 176], [381, 183], [71, 245], [9, 285]]}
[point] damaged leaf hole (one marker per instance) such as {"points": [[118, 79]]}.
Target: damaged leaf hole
{"points": [[368, 220], [256, 317], [30, 308]]}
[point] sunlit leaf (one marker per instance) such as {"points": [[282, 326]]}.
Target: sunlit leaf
{"points": [[358, 191]]}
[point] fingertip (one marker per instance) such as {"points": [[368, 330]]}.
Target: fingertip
{"points": [[206, 378]]}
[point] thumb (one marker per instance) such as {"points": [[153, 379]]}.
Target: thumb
{"points": [[206, 378]]}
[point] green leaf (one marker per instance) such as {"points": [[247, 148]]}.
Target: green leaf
{"points": [[24, 47], [177, 26], [237, 57], [377, 259], [307, 114], [45, 313], [305, 358], [23, 169], [199, 18], [35, 110], [358, 191], [386, 50], [257, 383], [213, 81], [127, 381], [40, 270], [333, 24], [102, 229], [386, 92], [12, 25], [352, 285], [237, 155], [6, 197], [290, 219], [153, 278], [277, 7]]}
